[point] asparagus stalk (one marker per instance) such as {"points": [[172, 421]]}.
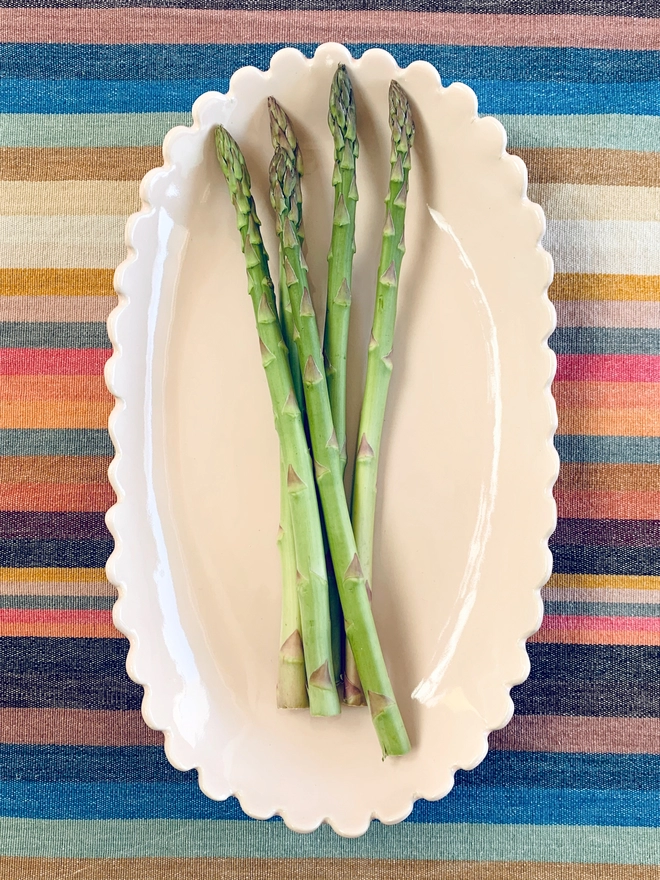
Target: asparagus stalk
{"points": [[312, 581], [359, 621], [283, 137], [379, 362], [291, 678], [341, 119]]}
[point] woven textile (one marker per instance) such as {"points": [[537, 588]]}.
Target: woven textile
{"points": [[571, 788]]}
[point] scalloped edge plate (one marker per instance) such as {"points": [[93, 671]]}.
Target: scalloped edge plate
{"points": [[467, 492]]}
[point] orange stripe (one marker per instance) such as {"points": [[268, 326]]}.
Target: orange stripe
{"points": [[608, 505], [81, 388], [641, 422], [55, 497], [60, 630], [55, 414], [586, 637], [606, 395]]}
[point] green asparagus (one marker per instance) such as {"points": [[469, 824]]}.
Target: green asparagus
{"points": [[312, 579], [379, 361], [283, 136], [360, 626], [342, 122]]}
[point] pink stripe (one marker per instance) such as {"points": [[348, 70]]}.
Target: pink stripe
{"points": [[53, 361], [608, 368], [234, 26], [602, 624]]}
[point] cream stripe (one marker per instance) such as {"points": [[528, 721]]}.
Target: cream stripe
{"points": [[56, 308], [607, 313], [70, 197], [62, 242], [606, 246], [573, 201], [572, 594], [98, 242]]}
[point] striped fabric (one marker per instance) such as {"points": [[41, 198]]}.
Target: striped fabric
{"points": [[571, 788]]}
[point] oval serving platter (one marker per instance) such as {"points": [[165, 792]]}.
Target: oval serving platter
{"points": [[467, 468]]}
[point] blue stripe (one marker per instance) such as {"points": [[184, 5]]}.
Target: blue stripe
{"points": [[515, 806], [578, 559], [608, 450], [605, 340], [179, 62], [147, 96], [148, 764], [604, 609], [54, 553], [60, 441]]}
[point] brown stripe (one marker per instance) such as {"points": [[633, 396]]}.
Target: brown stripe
{"points": [[558, 733], [577, 165], [76, 727], [624, 288], [610, 477], [381, 26], [78, 163], [34, 469], [56, 282], [21, 868]]}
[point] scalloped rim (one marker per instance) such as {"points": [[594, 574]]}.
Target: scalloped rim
{"points": [[120, 579]]}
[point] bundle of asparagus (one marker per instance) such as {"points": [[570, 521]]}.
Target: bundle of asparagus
{"points": [[307, 384]]}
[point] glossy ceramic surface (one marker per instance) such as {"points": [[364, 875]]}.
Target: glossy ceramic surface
{"points": [[467, 465]]}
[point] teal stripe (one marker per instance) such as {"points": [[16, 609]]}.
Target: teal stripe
{"points": [[59, 603], [228, 839], [602, 609], [607, 131], [60, 441], [88, 129]]}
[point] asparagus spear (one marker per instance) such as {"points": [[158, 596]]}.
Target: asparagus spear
{"points": [[291, 678], [283, 136], [341, 119], [311, 572], [379, 363], [360, 626]]}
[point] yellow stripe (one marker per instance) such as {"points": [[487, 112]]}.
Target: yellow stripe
{"points": [[56, 282], [605, 287], [605, 582], [70, 197], [59, 575]]}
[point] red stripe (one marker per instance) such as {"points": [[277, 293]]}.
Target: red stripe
{"points": [[608, 368], [53, 361]]}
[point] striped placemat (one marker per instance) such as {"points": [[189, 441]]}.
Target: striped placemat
{"points": [[571, 788]]}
